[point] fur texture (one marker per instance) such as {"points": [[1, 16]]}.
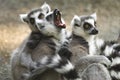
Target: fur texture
{"points": [[45, 48], [97, 46]]}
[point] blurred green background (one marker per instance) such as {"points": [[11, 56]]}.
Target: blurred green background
{"points": [[13, 31]]}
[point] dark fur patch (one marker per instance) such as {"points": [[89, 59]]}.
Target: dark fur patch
{"points": [[32, 21], [115, 54], [102, 49], [77, 25], [70, 37], [72, 74], [52, 45], [110, 43], [62, 63], [35, 38], [86, 17], [81, 40], [64, 52], [116, 68], [65, 44], [34, 11], [117, 48], [113, 78], [49, 17]]}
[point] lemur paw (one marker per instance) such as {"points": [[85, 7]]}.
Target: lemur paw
{"points": [[33, 66], [39, 69]]}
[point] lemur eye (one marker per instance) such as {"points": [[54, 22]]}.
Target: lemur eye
{"points": [[41, 16], [86, 26], [32, 21]]}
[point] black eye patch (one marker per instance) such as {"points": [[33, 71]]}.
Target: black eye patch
{"points": [[32, 20], [49, 17], [95, 23], [77, 25], [87, 26], [41, 16]]}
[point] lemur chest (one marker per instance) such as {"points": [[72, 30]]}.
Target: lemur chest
{"points": [[79, 48], [44, 48], [95, 45]]}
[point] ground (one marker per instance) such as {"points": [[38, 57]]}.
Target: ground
{"points": [[13, 31]]}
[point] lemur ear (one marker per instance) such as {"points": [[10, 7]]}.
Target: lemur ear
{"points": [[45, 7], [23, 17], [75, 21], [94, 15]]}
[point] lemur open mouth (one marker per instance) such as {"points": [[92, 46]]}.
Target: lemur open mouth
{"points": [[57, 19]]}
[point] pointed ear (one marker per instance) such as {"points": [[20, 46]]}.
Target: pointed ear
{"points": [[75, 21], [45, 7], [23, 17], [94, 15]]}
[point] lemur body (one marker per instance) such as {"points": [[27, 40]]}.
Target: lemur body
{"points": [[44, 55], [85, 26], [45, 48]]}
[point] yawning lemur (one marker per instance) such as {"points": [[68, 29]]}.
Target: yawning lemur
{"points": [[85, 26], [46, 47]]}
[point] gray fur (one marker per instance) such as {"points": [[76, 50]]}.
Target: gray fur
{"points": [[83, 62], [26, 57], [96, 71], [24, 61]]}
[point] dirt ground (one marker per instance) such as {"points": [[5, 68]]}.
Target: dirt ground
{"points": [[13, 31]]}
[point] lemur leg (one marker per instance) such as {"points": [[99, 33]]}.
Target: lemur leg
{"points": [[26, 61], [96, 71], [95, 59], [85, 61]]}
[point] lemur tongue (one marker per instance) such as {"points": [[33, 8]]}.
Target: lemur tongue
{"points": [[57, 19]]}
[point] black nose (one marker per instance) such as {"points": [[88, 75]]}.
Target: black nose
{"points": [[94, 31]]}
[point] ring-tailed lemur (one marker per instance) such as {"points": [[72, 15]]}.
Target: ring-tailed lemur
{"points": [[45, 46], [85, 26]]}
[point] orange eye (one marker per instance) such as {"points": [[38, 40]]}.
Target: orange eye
{"points": [[41, 16], [32, 20], [86, 26]]}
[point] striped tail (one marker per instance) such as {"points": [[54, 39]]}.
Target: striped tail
{"points": [[115, 66], [114, 56], [61, 65]]}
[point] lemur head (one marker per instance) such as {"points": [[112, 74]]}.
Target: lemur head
{"points": [[44, 20], [84, 25]]}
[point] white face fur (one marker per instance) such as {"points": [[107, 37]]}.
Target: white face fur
{"points": [[43, 20], [84, 25]]}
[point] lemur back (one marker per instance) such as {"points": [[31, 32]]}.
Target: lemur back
{"points": [[85, 26]]}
